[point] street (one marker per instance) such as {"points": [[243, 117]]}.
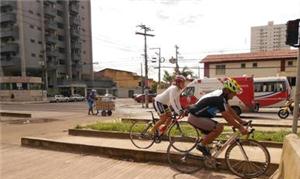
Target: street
{"points": [[54, 119]]}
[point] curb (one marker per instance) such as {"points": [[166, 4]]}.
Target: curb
{"points": [[13, 114], [225, 123], [123, 135], [118, 153]]}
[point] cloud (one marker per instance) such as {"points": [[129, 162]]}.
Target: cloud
{"points": [[189, 19]]}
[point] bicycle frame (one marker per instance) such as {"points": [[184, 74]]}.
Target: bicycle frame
{"points": [[174, 120], [233, 137]]}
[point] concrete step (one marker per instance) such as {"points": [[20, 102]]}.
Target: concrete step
{"points": [[120, 149]]}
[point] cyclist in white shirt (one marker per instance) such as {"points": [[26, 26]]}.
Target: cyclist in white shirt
{"points": [[169, 98]]}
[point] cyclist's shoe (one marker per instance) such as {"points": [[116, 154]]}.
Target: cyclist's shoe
{"points": [[205, 150], [151, 130]]}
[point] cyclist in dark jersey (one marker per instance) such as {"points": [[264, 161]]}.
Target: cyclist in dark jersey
{"points": [[208, 106]]}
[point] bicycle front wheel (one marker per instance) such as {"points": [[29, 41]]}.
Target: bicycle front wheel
{"points": [[183, 137], [185, 162], [247, 158], [139, 135]]}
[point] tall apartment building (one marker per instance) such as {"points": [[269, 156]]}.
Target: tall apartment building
{"points": [[270, 37], [49, 39]]}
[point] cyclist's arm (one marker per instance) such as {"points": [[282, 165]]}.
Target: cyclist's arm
{"points": [[234, 115], [230, 119]]}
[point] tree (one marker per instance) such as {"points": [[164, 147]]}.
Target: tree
{"points": [[168, 78]]}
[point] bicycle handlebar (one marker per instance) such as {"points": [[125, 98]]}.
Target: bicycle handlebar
{"points": [[248, 126]]}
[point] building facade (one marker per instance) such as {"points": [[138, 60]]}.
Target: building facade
{"points": [[127, 83], [257, 64], [49, 39], [268, 38]]}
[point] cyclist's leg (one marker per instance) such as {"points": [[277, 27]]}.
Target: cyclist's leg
{"points": [[164, 114], [211, 128]]}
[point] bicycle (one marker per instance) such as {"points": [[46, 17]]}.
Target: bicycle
{"points": [[246, 158], [178, 134]]}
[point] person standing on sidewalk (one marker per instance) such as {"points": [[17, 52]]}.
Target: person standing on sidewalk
{"points": [[206, 108], [164, 101], [91, 97]]}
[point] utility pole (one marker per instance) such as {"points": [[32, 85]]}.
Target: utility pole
{"points": [[146, 29], [142, 83], [177, 66]]}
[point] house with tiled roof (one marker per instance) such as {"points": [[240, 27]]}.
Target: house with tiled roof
{"points": [[127, 83], [257, 64]]}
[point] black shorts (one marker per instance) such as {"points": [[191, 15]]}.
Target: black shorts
{"points": [[160, 108], [204, 124]]}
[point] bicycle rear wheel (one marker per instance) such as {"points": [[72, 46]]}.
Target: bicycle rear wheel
{"points": [[185, 162], [183, 137], [139, 135], [247, 158]]}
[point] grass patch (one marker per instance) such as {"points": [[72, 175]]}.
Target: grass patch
{"points": [[275, 136]]}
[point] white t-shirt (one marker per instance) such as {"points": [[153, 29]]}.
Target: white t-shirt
{"points": [[170, 97]]}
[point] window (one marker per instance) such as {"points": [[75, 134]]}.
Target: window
{"points": [[34, 86], [61, 50], [33, 55], [61, 38], [30, 11], [60, 13], [60, 25], [254, 65], [4, 86], [38, 14], [189, 91], [220, 69], [31, 26], [243, 65], [32, 40], [290, 63]]}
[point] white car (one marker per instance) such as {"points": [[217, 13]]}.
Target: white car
{"points": [[110, 96], [59, 98], [76, 97]]}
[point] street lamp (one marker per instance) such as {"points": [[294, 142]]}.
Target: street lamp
{"points": [[44, 75], [159, 61]]}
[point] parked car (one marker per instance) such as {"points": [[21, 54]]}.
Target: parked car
{"points": [[140, 98], [76, 97], [58, 98]]}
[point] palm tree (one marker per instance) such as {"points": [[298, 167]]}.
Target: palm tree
{"points": [[168, 78], [186, 72]]}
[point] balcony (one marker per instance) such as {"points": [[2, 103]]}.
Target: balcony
{"points": [[8, 3], [8, 17], [9, 32], [12, 61], [50, 11], [51, 52], [76, 45], [9, 48], [74, 7], [75, 20], [51, 25], [76, 57], [51, 39], [75, 32]]}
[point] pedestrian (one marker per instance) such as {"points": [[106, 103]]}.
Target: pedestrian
{"points": [[91, 97]]}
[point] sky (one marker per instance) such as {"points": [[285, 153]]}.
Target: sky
{"points": [[197, 27]]}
